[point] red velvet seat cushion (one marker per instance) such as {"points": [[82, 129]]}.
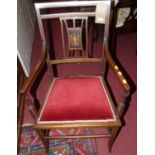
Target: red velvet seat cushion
{"points": [[77, 98]]}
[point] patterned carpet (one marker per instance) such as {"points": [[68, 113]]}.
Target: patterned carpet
{"points": [[31, 145]]}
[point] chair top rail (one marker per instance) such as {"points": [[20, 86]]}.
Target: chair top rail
{"points": [[39, 6], [69, 4], [76, 15]]}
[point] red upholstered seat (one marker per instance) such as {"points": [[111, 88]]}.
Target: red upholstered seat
{"points": [[77, 98]]}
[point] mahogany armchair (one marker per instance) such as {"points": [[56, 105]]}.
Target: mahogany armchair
{"points": [[76, 101]]}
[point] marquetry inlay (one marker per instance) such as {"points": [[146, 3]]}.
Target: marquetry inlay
{"points": [[75, 38], [75, 28], [124, 81], [116, 67], [119, 73]]}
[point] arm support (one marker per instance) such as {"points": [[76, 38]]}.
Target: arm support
{"points": [[116, 70], [123, 81], [28, 83]]}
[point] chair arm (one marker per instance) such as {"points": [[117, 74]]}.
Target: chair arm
{"points": [[117, 70], [28, 83]]}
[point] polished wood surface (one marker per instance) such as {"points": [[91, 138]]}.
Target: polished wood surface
{"points": [[76, 60], [79, 136], [27, 84], [66, 125], [116, 69]]}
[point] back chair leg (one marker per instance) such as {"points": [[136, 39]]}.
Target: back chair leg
{"points": [[44, 140], [114, 132]]}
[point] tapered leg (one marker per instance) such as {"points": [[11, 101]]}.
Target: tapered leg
{"points": [[114, 132], [44, 140]]}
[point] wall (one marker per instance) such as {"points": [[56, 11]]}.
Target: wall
{"points": [[25, 32]]}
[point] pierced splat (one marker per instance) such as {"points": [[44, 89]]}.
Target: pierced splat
{"points": [[74, 28]]}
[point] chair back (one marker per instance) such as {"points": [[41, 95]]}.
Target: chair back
{"points": [[75, 25]]}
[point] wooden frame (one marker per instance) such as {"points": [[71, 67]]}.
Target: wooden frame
{"points": [[44, 59]]}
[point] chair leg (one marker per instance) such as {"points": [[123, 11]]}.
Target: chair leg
{"points": [[44, 141], [114, 132]]}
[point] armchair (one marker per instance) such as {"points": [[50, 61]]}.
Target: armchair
{"points": [[75, 100]]}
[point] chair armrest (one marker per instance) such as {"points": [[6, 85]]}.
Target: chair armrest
{"points": [[116, 70], [28, 83]]}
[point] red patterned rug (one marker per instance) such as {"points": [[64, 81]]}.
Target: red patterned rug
{"points": [[31, 145]]}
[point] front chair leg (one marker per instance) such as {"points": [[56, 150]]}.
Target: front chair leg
{"points": [[114, 132], [44, 140]]}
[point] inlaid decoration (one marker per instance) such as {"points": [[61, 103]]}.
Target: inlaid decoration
{"points": [[75, 38], [76, 43]]}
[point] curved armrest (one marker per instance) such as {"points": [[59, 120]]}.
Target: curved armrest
{"points": [[27, 84], [117, 70]]}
